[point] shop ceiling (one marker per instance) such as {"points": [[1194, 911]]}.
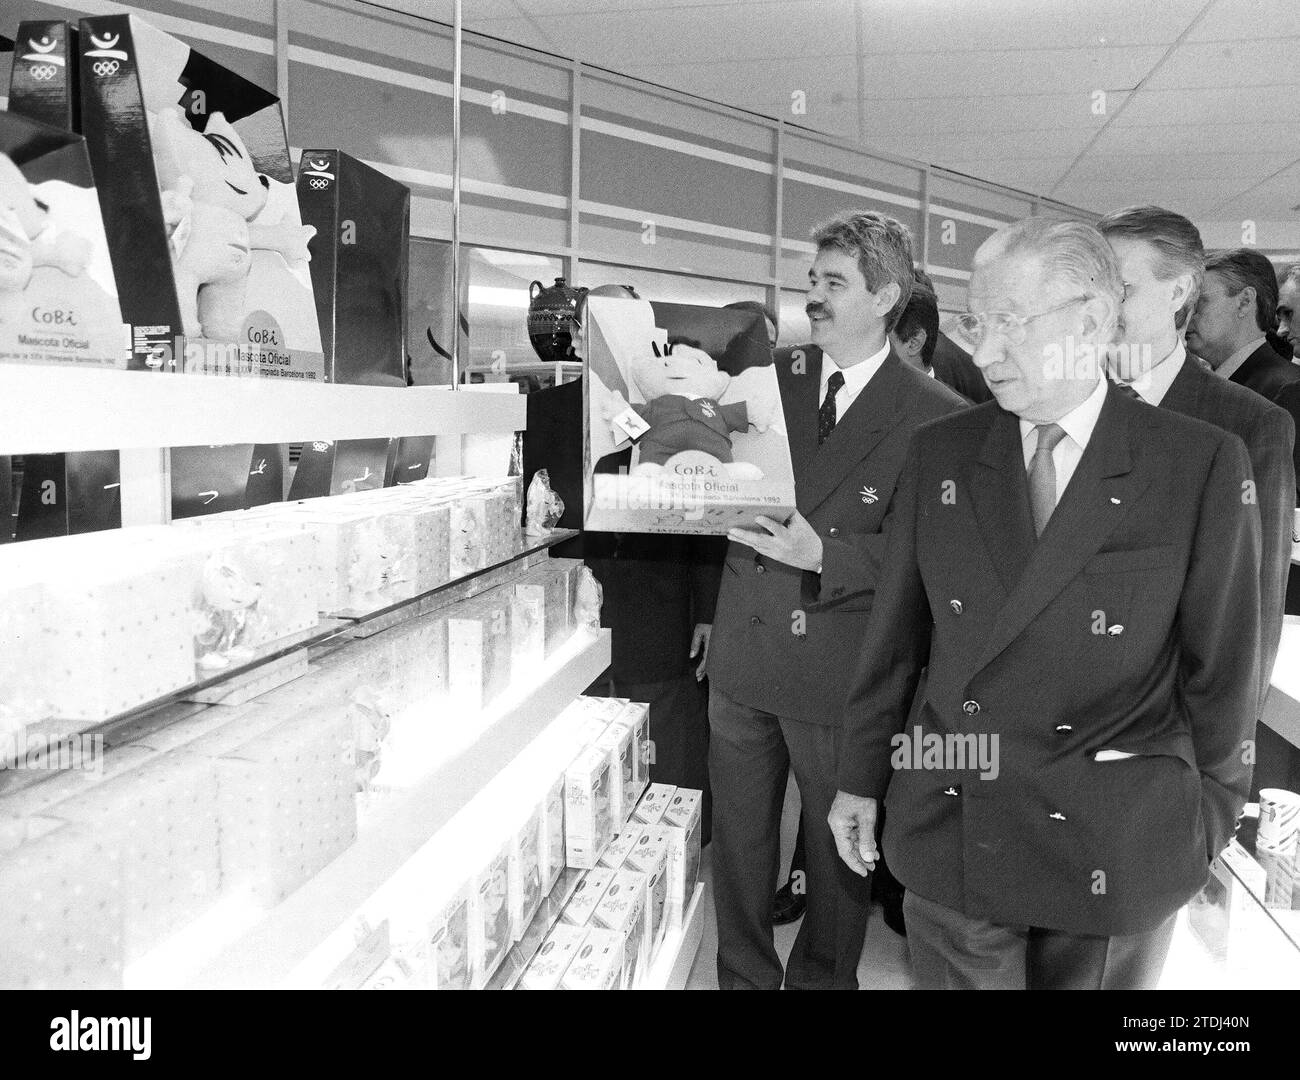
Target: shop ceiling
{"points": [[1194, 104]]}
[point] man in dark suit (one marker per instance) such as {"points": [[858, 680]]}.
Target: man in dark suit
{"points": [[1081, 574], [1236, 306], [1288, 308], [941, 356], [1161, 260], [794, 601], [659, 590]]}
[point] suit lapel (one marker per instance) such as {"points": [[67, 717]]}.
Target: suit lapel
{"points": [[1105, 485], [873, 412], [1184, 393], [799, 403], [1000, 496], [1253, 365]]}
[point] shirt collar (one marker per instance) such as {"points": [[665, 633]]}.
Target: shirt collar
{"points": [[1238, 358], [1154, 383], [1079, 421], [857, 376]]}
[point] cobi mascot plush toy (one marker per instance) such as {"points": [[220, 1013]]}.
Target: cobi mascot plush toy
{"points": [[211, 194], [684, 411]]}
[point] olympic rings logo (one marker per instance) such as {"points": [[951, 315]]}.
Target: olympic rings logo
{"points": [[43, 72], [105, 67], [317, 184]]}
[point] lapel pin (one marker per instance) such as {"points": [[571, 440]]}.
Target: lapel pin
{"points": [[1115, 631], [1114, 500], [869, 495]]}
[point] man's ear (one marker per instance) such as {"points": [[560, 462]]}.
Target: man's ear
{"points": [[1246, 302], [887, 297], [1100, 318], [1181, 288], [914, 346]]}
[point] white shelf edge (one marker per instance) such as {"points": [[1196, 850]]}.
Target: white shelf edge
{"points": [[267, 955], [672, 967], [52, 409]]}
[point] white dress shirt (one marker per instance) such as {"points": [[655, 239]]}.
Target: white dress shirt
{"points": [[1239, 357], [855, 378], [1078, 424], [1154, 384]]}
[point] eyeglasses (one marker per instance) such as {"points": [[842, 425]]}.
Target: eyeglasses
{"points": [[973, 325]]}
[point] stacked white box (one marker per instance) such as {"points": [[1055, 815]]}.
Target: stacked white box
{"points": [[588, 812], [625, 907], [587, 894], [478, 650], [489, 918], [681, 822], [525, 879], [598, 964], [650, 857], [546, 969]]}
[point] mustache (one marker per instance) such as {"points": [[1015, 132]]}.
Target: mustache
{"points": [[814, 309]]}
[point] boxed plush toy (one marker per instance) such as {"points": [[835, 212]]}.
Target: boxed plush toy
{"points": [[653, 803], [624, 840], [683, 423], [478, 650], [578, 911], [58, 292], [527, 627], [358, 265], [198, 197], [649, 856], [623, 789], [547, 967], [599, 963], [525, 873], [681, 821], [449, 967], [625, 908], [489, 918], [553, 860], [588, 813], [636, 715], [468, 534], [43, 80]]}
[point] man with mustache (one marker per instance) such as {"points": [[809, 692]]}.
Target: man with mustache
{"points": [[793, 606], [1288, 308]]}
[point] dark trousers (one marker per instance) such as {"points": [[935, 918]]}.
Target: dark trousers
{"points": [[884, 886], [952, 951], [750, 752], [679, 733]]}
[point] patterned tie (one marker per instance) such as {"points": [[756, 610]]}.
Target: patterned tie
{"points": [[1127, 389], [826, 414], [1042, 475]]}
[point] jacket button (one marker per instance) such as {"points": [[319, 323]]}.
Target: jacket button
{"points": [[833, 531], [1064, 729], [759, 568], [754, 620], [970, 708], [1115, 631], [956, 606], [954, 790]]}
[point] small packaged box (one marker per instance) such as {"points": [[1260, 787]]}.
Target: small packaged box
{"points": [[527, 627], [624, 908], [467, 535], [588, 813], [554, 857], [581, 905], [526, 873], [681, 821], [478, 650], [598, 964], [650, 856], [449, 956], [546, 969], [653, 803], [622, 753], [636, 714], [489, 918], [554, 585], [616, 853]]}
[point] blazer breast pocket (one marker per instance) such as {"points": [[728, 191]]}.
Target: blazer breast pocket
{"points": [[1164, 557]]}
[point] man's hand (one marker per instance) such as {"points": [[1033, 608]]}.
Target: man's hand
{"points": [[853, 824], [795, 544], [700, 644]]}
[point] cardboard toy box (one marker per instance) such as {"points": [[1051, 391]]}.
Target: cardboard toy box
{"points": [[58, 292], [489, 919], [599, 963], [478, 650], [199, 205], [588, 814], [649, 856], [653, 803], [43, 80], [358, 265], [526, 873], [683, 426], [547, 968], [681, 821], [625, 908], [553, 860], [587, 894], [449, 944]]}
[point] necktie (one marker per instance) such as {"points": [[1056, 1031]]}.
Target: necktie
{"points": [[826, 414], [1042, 475], [1127, 389]]}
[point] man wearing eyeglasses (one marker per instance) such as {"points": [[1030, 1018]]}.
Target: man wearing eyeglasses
{"points": [[1081, 575]]}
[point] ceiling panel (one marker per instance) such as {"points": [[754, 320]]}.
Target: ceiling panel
{"points": [[1234, 170], [1239, 20], [1123, 137], [956, 115], [1233, 63], [1214, 106], [765, 88]]}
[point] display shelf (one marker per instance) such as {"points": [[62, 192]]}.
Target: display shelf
{"points": [[672, 967], [55, 409], [333, 909]]}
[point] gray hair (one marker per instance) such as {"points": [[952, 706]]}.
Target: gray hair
{"points": [[1176, 241], [1075, 256], [1289, 273], [881, 244]]}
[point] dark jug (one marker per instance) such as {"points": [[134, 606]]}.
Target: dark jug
{"points": [[550, 318]]}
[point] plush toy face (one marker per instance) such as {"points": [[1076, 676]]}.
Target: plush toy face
{"points": [[15, 253], [220, 166], [17, 197], [686, 371]]}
